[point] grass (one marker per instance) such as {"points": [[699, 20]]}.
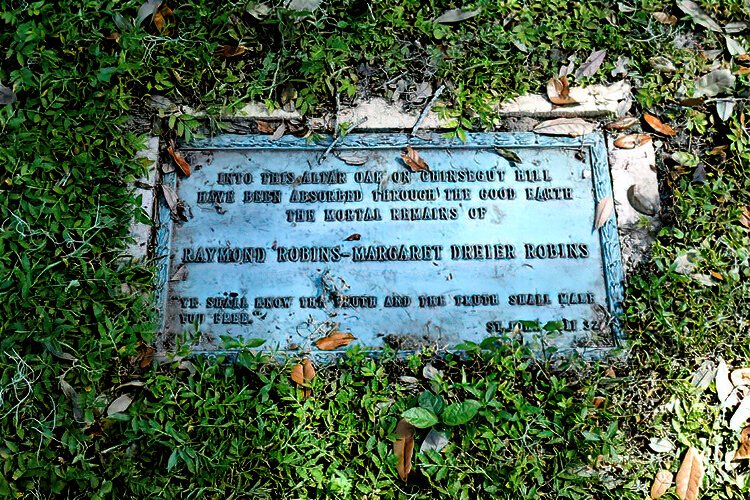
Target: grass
{"points": [[71, 309]]}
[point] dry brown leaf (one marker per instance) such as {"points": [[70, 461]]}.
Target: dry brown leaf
{"points": [[664, 18], [743, 452], [745, 217], [334, 340], [163, 18], [353, 237], [622, 124], [403, 448], [179, 160], [413, 160], [690, 475], [610, 372], [658, 125], [598, 401], [303, 372], [558, 91], [278, 133], [231, 51], [740, 376], [604, 210], [265, 127], [662, 482], [632, 141]]}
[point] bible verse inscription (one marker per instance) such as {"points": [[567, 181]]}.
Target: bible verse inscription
{"points": [[498, 236]]}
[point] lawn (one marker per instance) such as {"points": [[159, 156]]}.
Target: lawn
{"points": [[88, 413]]}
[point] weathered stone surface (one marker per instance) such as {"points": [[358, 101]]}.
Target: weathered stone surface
{"points": [[141, 232]]}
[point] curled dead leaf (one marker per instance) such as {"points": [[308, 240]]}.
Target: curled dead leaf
{"points": [[231, 51], [413, 160], [690, 475], [334, 340], [303, 372], [163, 18], [572, 127], [658, 125], [179, 160], [662, 482], [632, 141], [664, 18], [558, 91], [509, 155], [265, 127], [622, 124], [604, 211], [740, 376], [353, 237], [598, 401], [743, 452], [745, 217], [403, 448], [591, 64]]}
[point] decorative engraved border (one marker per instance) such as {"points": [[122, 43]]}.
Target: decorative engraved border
{"points": [[594, 144]]}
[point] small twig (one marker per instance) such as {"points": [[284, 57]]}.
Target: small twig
{"points": [[427, 109], [341, 136]]}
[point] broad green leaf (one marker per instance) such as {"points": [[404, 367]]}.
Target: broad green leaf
{"points": [[420, 417], [432, 402], [461, 413]]}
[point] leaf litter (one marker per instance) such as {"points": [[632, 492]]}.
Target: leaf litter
{"points": [[403, 448], [690, 475]]}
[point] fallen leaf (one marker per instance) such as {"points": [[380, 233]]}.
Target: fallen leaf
{"points": [[7, 96], [724, 387], [355, 158], [591, 64], [457, 15], [163, 18], [699, 175], [134, 383], [72, 396], [119, 405], [664, 18], [743, 452], [740, 376], [621, 67], [334, 340], [704, 375], [558, 91], [259, 11], [698, 15], [598, 401], [646, 205], [265, 127], [303, 372], [734, 47], [434, 441], [745, 217], [662, 64], [741, 415], [303, 5], [572, 127], [353, 237], [610, 372], [146, 357], [413, 160], [408, 380], [725, 108], [622, 124], [231, 51], [658, 125], [431, 373], [146, 10], [187, 365], [604, 211], [690, 475], [661, 445], [403, 448], [509, 155], [179, 160], [278, 133], [714, 83], [173, 201], [736, 27], [632, 141], [662, 482]]}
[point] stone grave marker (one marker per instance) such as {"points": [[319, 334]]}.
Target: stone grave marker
{"points": [[500, 236]]}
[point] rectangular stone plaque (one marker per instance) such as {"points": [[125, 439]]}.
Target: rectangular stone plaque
{"points": [[499, 236]]}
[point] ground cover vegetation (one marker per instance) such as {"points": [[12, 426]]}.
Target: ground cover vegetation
{"points": [[86, 413]]}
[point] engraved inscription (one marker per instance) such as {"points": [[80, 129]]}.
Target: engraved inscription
{"points": [[281, 246]]}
